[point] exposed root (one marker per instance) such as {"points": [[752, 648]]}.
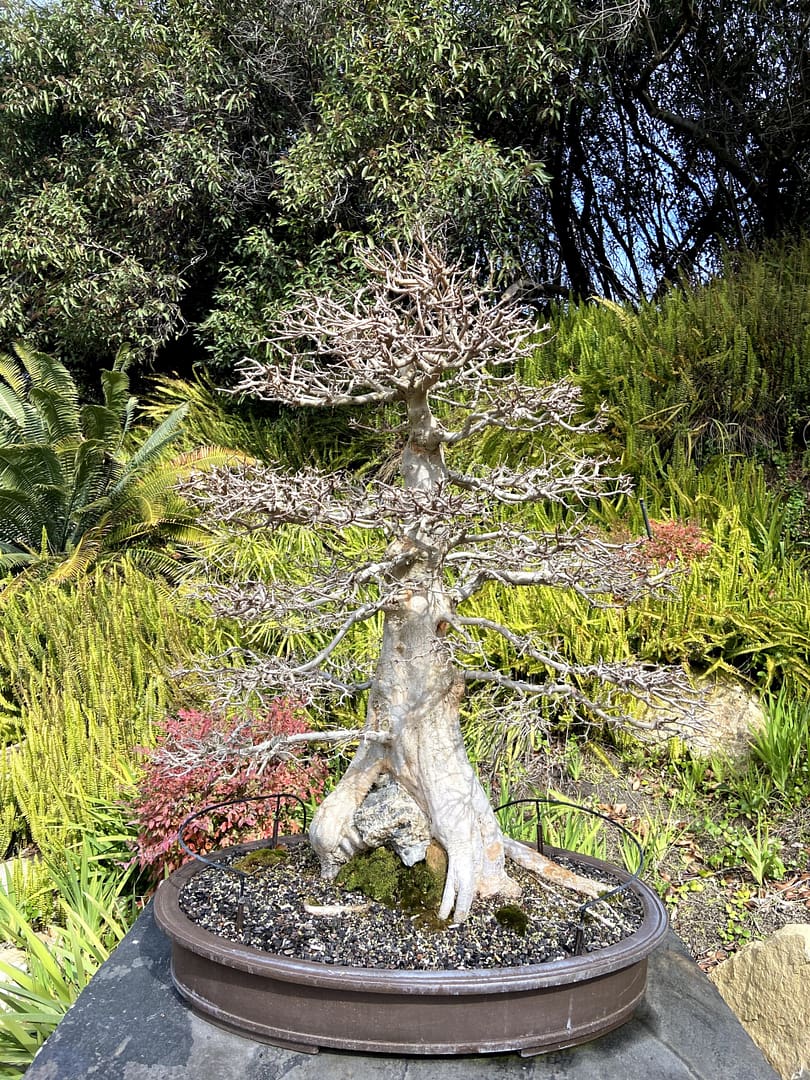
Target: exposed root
{"points": [[331, 911], [551, 871], [331, 832]]}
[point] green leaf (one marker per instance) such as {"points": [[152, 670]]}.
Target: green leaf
{"points": [[152, 448], [11, 405]]}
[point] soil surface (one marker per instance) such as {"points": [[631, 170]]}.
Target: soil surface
{"points": [[289, 910]]}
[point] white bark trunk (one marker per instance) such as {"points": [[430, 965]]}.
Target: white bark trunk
{"points": [[415, 698]]}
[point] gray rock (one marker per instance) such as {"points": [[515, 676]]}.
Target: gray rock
{"points": [[389, 815], [723, 724]]}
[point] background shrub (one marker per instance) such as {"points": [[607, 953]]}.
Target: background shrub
{"points": [[167, 795]]}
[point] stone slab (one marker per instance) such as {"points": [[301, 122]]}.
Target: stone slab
{"points": [[130, 1024]]}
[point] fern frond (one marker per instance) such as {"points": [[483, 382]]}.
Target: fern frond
{"points": [[11, 406], [13, 374], [80, 559], [20, 521], [52, 393], [151, 449], [28, 465]]}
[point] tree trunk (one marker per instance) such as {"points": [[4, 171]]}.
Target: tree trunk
{"points": [[414, 699]]}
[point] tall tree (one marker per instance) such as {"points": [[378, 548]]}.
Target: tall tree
{"points": [[137, 140], [426, 114], [586, 149], [692, 133]]}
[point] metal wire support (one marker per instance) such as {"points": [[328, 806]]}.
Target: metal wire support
{"points": [[280, 798], [579, 931], [646, 517]]}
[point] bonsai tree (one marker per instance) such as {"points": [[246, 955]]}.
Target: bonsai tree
{"points": [[424, 338]]}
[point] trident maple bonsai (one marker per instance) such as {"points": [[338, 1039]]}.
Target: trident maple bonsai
{"points": [[425, 338]]}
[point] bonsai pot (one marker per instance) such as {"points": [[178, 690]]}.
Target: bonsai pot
{"points": [[304, 1005]]}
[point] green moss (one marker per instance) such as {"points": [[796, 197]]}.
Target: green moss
{"points": [[513, 918], [419, 888], [381, 876], [373, 873], [260, 858], [430, 923]]}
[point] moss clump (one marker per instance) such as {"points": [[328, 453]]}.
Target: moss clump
{"points": [[261, 858], [420, 890], [513, 918], [375, 874], [380, 875], [429, 922]]}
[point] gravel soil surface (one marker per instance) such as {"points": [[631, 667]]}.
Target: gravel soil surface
{"points": [[369, 934]]}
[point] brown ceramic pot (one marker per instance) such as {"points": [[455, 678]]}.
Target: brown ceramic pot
{"points": [[304, 1005]]}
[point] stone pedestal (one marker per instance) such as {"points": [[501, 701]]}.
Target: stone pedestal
{"points": [[129, 1024], [767, 984]]}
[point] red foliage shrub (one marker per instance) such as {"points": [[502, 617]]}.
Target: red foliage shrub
{"points": [[167, 796], [675, 541]]}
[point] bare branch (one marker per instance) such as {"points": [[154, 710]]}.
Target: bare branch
{"points": [[418, 319], [581, 480], [264, 678], [651, 684], [602, 573], [659, 687], [230, 751], [257, 496], [490, 401], [316, 604], [359, 615]]}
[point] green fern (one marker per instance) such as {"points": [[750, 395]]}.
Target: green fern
{"points": [[69, 491]]}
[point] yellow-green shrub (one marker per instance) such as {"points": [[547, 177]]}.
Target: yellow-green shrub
{"points": [[88, 669]]}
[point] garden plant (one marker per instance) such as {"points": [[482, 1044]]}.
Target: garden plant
{"points": [[69, 489]]}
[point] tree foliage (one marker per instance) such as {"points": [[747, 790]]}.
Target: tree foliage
{"points": [[137, 140], [168, 167]]}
